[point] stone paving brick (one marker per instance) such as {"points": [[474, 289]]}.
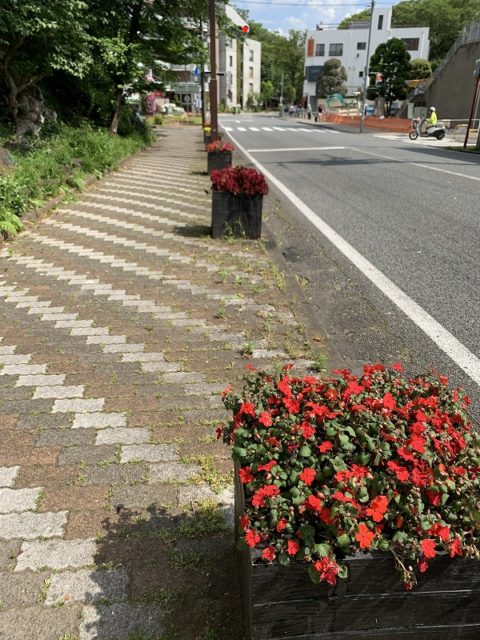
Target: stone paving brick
{"points": [[32, 525], [120, 621], [40, 380], [65, 437], [87, 586], [123, 436], [23, 370], [55, 554], [17, 590], [17, 500], [90, 405], [172, 471], [9, 550], [116, 474], [99, 420], [58, 392], [40, 623], [86, 498], [8, 475], [88, 455], [149, 453], [145, 496]]}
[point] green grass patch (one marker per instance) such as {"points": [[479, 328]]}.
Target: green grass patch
{"points": [[58, 164]]}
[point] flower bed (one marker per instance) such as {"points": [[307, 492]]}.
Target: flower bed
{"points": [[338, 467]]}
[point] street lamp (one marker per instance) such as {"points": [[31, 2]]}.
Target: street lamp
{"points": [[365, 74]]}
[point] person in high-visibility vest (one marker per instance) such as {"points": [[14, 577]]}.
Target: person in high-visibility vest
{"points": [[431, 121]]}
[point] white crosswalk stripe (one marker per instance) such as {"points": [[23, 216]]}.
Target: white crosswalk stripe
{"points": [[282, 129], [264, 128]]}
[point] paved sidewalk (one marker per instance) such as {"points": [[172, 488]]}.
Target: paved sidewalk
{"points": [[120, 322]]}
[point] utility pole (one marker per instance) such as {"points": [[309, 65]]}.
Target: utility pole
{"points": [[213, 74], [281, 98], [365, 73]]}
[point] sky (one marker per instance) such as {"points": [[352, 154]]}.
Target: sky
{"points": [[282, 15]]}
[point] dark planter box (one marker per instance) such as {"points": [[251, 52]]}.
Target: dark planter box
{"points": [[207, 137], [237, 216], [218, 160], [372, 604]]}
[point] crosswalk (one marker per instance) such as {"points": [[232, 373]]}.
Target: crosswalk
{"points": [[280, 129]]}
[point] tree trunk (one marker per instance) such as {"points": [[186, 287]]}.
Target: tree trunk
{"points": [[29, 116], [116, 111]]}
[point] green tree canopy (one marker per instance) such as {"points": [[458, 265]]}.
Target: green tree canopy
{"points": [[392, 60], [419, 69], [35, 39], [332, 79]]}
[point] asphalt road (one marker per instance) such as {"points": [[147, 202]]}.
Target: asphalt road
{"points": [[384, 235]]}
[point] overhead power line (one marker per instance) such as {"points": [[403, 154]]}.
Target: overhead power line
{"points": [[318, 5]]}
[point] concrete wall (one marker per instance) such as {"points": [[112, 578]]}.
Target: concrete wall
{"points": [[227, 64], [451, 92], [251, 69]]}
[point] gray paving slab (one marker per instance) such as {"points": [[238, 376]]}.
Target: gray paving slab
{"points": [[29, 525], [121, 621], [56, 554], [87, 586]]}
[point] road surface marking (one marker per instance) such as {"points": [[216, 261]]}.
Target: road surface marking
{"points": [[447, 342], [266, 128], [295, 149], [416, 164]]}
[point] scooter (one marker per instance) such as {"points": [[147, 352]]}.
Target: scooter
{"points": [[436, 131]]}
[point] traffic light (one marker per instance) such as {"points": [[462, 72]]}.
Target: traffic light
{"points": [[245, 28]]}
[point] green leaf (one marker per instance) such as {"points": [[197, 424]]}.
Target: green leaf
{"points": [[314, 575], [283, 559], [305, 451], [239, 452], [344, 439], [343, 540], [343, 572], [308, 533], [322, 549], [339, 464]]}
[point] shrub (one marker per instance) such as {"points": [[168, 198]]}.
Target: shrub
{"points": [[218, 146], [332, 466], [239, 181]]}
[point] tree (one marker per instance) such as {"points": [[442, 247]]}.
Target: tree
{"points": [[331, 79], [420, 69], [360, 15], [37, 38], [392, 60], [266, 94]]}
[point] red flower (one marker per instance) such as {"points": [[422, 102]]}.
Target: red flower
{"points": [[239, 181], [281, 524], [405, 454], [353, 388], [397, 367], [434, 497], [269, 554], [244, 522], [455, 548], [252, 538], [292, 547], [327, 569], [307, 430], [389, 401], [267, 467], [377, 508], [265, 419], [325, 446], [217, 146], [248, 409], [313, 503], [442, 531], [417, 443], [245, 475], [292, 405], [267, 491], [428, 548], [401, 473], [364, 536], [308, 476], [226, 391], [422, 565]]}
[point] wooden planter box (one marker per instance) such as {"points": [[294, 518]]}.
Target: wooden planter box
{"points": [[218, 160], [372, 604], [237, 216]]}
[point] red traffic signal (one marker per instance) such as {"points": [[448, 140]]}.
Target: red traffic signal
{"points": [[245, 28]]}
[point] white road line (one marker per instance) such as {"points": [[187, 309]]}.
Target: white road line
{"points": [[267, 129], [295, 149], [241, 129], [417, 164], [228, 128], [278, 128], [254, 129], [447, 342]]}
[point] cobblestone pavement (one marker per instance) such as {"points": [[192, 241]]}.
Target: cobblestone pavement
{"points": [[121, 320]]}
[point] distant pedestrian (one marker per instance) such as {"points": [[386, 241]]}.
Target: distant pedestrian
{"points": [[309, 111]]}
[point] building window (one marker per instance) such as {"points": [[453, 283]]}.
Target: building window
{"points": [[230, 61], [361, 46], [250, 55], [335, 49], [412, 44], [360, 74], [320, 50], [250, 72], [250, 87], [380, 22]]}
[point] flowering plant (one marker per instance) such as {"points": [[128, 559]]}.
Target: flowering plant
{"points": [[218, 146], [239, 181], [336, 465]]}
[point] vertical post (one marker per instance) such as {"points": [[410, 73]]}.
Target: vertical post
{"points": [[213, 73], [281, 98], [472, 110], [365, 73]]}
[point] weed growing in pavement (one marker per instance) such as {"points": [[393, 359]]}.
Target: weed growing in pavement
{"points": [[247, 349], [320, 364], [206, 521], [216, 480], [221, 313]]}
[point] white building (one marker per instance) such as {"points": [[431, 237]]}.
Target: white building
{"points": [[251, 65], [350, 47]]}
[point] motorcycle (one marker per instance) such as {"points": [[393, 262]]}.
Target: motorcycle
{"points": [[435, 131]]}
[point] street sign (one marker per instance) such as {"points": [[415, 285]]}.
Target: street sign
{"points": [[186, 87], [186, 99]]}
